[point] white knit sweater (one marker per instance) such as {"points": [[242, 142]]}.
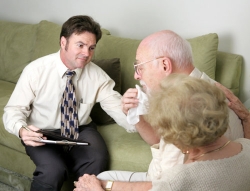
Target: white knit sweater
{"points": [[229, 174]]}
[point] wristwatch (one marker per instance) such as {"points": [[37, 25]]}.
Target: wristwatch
{"points": [[109, 185]]}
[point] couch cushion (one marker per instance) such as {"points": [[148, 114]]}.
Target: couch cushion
{"points": [[47, 40], [17, 44], [128, 151], [204, 53], [112, 68], [228, 70]]}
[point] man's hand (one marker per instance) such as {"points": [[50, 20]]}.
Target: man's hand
{"points": [[88, 183], [129, 100], [30, 137]]}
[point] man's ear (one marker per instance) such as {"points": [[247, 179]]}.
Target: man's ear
{"points": [[63, 42], [167, 65]]}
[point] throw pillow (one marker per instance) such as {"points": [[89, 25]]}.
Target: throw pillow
{"points": [[124, 48], [204, 53], [228, 70], [112, 68]]}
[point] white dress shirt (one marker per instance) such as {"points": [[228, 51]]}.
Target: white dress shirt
{"points": [[36, 99]]}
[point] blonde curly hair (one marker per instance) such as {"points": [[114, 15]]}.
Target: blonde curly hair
{"points": [[187, 111]]}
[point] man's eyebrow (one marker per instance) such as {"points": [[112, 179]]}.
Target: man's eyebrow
{"points": [[85, 43], [80, 42]]}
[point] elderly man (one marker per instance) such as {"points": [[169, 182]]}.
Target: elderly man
{"points": [[158, 55]]}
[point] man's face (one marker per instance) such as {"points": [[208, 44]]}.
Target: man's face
{"points": [[149, 74], [78, 50]]}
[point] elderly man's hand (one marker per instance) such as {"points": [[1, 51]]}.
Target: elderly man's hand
{"points": [[129, 100], [88, 183]]}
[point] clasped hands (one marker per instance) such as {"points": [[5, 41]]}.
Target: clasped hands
{"points": [[88, 183]]}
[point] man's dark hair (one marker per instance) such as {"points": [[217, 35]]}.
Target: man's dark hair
{"points": [[79, 24]]}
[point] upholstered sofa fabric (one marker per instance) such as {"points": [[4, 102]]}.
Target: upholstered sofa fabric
{"points": [[204, 53], [228, 68], [17, 44], [47, 39], [111, 46], [22, 43]]}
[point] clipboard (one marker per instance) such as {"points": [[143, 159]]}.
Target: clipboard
{"points": [[54, 138], [63, 142]]}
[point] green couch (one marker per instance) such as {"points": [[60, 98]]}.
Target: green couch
{"points": [[22, 43]]}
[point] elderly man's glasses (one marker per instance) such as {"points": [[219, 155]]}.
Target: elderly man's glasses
{"points": [[137, 69]]}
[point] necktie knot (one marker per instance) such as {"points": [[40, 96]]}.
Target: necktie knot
{"points": [[70, 73]]}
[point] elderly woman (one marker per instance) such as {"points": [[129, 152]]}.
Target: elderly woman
{"points": [[192, 114]]}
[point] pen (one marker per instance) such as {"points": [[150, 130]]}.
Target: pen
{"points": [[28, 129], [25, 127]]}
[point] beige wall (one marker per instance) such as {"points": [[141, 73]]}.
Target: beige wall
{"points": [[230, 19]]}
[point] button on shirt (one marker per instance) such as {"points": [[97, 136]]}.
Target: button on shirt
{"points": [[37, 96]]}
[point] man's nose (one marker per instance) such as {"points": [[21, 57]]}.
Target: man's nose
{"points": [[85, 51], [137, 76]]}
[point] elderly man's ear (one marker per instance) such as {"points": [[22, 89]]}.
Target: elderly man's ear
{"points": [[167, 65]]}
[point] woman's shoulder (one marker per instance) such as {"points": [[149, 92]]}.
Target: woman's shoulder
{"points": [[243, 141], [245, 147]]}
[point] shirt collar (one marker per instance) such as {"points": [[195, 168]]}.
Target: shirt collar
{"points": [[62, 68], [196, 73]]}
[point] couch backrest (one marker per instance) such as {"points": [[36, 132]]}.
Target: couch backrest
{"points": [[16, 47], [22, 43]]}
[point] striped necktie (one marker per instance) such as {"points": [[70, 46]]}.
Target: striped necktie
{"points": [[69, 117]]}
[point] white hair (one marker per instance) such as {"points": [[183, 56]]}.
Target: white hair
{"points": [[171, 45]]}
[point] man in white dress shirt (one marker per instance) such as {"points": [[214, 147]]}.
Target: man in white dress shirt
{"points": [[36, 104]]}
